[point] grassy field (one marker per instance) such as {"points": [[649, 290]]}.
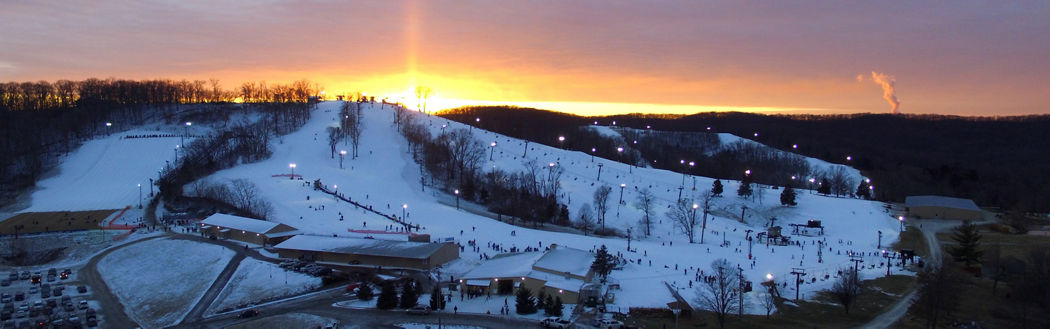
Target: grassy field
{"points": [[978, 303], [823, 312], [35, 222]]}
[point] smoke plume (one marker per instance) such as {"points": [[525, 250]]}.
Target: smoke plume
{"points": [[888, 92]]}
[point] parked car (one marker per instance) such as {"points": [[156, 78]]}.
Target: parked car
{"points": [[5, 282], [81, 289], [248, 313], [91, 322], [25, 275], [555, 322], [419, 309], [608, 324], [20, 296]]}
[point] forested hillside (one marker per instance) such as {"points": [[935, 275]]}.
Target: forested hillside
{"points": [[996, 161]]}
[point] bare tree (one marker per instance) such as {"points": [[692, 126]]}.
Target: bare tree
{"points": [[769, 299], [586, 221], [846, 288], [841, 184], [464, 150], [684, 215], [334, 135], [939, 292], [601, 203], [422, 94], [720, 294], [645, 203]]}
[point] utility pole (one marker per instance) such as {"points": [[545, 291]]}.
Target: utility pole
{"points": [[680, 193], [798, 272], [747, 235], [879, 245], [743, 209], [599, 171], [820, 251], [740, 281]]}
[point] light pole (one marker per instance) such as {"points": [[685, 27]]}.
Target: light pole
{"points": [[108, 124], [691, 164], [561, 142], [342, 153], [676, 310], [628, 239], [176, 154], [619, 151], [622, 185], [456, 192], [593, 149], [887, 256], [879, 245], [404, 211], [493, 150], [140, 196], [599, 171], [292, 165], [692, 217], [151, 187]]}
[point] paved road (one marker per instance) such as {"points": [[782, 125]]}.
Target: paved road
{"points": [[898, 310], [197, 312], [321, 305], [112, 311]]}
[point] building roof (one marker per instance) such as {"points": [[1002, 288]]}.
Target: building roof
{"points": [[239, 223], [940, 201], [557, 281], [356, 246], [564, 259], [505, 266]]}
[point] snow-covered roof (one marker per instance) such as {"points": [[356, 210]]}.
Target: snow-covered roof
{"points": [[372, 247], [557, 281], [564, 259], [940, 201], [239, 223], [505, 266]]}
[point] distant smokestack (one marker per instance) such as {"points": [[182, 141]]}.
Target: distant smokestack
{"points": [[888, 92]]}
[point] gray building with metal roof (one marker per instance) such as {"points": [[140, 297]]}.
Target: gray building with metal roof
{"points": [[942, 207]]}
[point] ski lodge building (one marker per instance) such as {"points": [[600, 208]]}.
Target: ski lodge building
{"points": [[560, 272], [941, 207], [356, 252], [223, 226]]}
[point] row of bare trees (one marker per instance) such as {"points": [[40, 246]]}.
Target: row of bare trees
{"points": [[454, 157]]}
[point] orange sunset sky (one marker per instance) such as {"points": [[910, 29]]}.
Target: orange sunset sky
{"points": [[587, 57]]}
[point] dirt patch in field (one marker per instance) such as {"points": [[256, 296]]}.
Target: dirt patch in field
{"points": [[54, 221]]}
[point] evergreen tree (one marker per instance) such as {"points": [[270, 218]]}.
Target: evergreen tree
{"points": [[787, 197], [548, 306], [541, 300], [745, 187], [525, 303], [603, 262], [437, 302], [409, 296], [364, 292], [716, 189], [556, 309], [864, 190], [387, 297], [968, 249], [825, 187]]}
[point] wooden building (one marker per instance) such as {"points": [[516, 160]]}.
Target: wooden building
{"points": [[389, 254], [223, 226], [941, 207]]}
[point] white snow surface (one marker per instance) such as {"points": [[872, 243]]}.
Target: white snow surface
{"points": [[256, 281], [104, 173], [385, 178], [239, 223], [159, 281]]}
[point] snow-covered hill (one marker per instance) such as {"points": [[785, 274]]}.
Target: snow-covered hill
{"points": [[103, 174], [385, 178]]}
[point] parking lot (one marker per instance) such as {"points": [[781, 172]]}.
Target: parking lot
{"points": [[35, 297]]}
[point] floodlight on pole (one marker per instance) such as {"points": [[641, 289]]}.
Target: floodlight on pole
{"points": [[108, 124], [292, 166], [561, 142], [140, 196], [342, 153], [622, 185], [404, 211], [493, 150], [457, 198]]}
